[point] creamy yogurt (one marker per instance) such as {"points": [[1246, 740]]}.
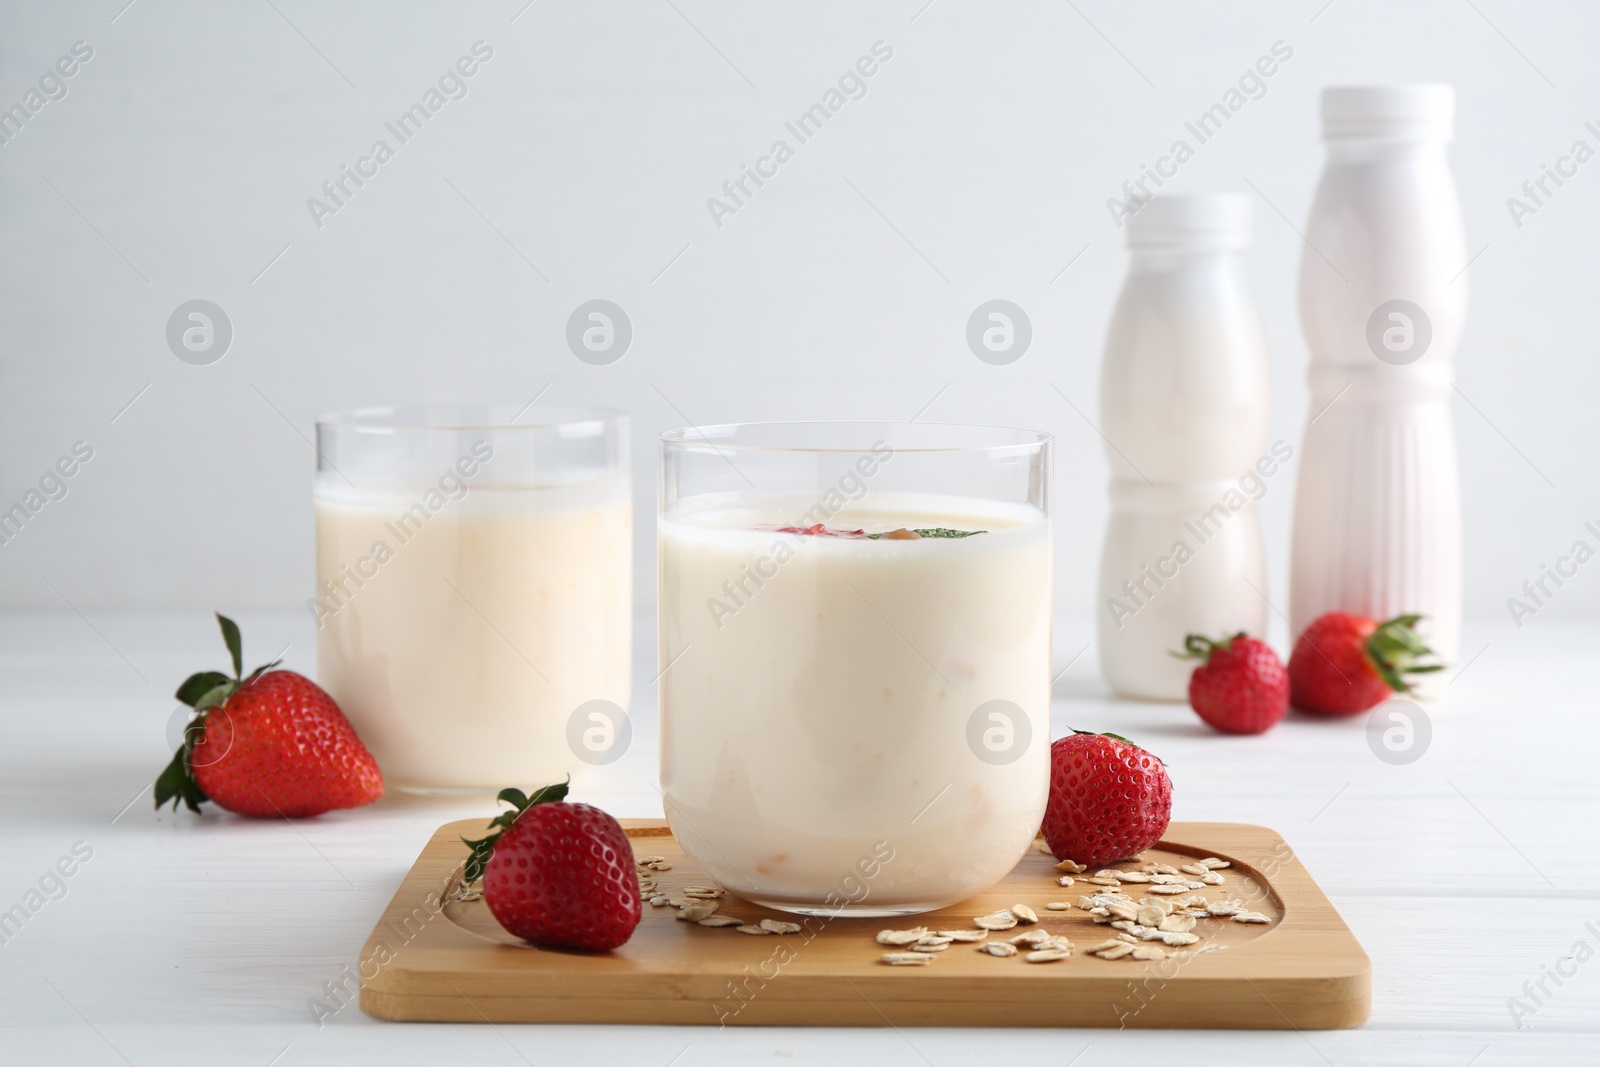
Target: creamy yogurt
{"points": [[829, 700]]}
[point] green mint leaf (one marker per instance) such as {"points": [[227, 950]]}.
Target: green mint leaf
{"points": [[935, 531]]}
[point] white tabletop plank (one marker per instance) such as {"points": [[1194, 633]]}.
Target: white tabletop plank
{"points": [[201, 940]]}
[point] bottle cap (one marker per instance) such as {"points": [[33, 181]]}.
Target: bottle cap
{"points": [[1389, 112], [1219, 220]]}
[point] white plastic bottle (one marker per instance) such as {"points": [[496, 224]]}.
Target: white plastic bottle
{"points": [[1383, 297], [1184, 407]]}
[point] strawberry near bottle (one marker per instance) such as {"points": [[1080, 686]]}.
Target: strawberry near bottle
{"points": [[1383, 298]]}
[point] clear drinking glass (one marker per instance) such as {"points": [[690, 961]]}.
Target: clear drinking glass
{"points": [[474, 587], [854, 723]]}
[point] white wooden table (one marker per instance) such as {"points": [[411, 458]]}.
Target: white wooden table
{"points": [[185, 940]]}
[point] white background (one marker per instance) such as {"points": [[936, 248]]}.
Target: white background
{"points": [[977, 166]]}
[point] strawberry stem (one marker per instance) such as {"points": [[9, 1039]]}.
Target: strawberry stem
{"points": [[520, 802], [1394, 649], [1196, 646]]}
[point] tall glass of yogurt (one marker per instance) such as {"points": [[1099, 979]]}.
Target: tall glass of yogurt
{"points": [[855, 658], [474, 586]]}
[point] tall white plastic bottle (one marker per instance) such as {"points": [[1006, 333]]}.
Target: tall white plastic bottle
{"points": [[1383, 297], [1184, 409]]}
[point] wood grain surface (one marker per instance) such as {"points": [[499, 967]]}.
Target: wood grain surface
{"points": [[434, 958]]}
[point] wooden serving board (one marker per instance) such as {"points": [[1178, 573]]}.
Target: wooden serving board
{"points": [[432, 958]]}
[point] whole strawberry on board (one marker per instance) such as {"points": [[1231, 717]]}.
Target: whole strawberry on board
{"points": [[1240, 686], [560, 875], [1344, 664], [1109, 799], [270, 744]]}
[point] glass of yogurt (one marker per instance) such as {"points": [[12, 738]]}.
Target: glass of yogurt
{"points": [[855, 658], [474, 589]]}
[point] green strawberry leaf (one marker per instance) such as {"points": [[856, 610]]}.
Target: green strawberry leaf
{"points": [[230, 636], [177, 782], [483, 847], [198, 685], [216, 695], [1394, 649]]}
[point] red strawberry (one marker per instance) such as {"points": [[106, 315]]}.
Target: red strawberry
{"points": [[1344, 664], [1240, 686], [1109, 799], [558, 874], [272, 744]]}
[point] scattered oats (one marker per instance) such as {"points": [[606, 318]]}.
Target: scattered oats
{"points": [[1159, 868], [1151, 914], [998, 948], [1065, 879], [1123, 909], [1136, 877], [1024, 913], [934, 939], [1193, 868], [1148, 952], [660, 865], [754, 930], [1058, 942], [1169, 889], [1212, 878], [1048, 955], [922, 946], [720, 920], [658, 902], [1222, 909], [1189, 902], [1116, 951], [1194, 885], [1103, 879], [1100, 919], [1130, 926], [1151, 934], [1058, 905], [1033, 937], [1044, 847], [1168, 879], [697, 912], [1106, 872], [1254, 917], [964, 935], [1099, 913], [1177, 924], [902, 937], [1000, 920], [906, 959], [1126, 938], [680, 902], [1102, 946], [702, 890], [1178, 940], [1087, 903], [1214, 864], [1071, 867], [778, 926]]}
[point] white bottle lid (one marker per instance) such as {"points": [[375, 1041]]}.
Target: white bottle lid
{"points": [[1401, 112], [1220, 220]]}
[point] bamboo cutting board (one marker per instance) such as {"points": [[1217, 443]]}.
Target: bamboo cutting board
{"points": [[435, 959]]}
